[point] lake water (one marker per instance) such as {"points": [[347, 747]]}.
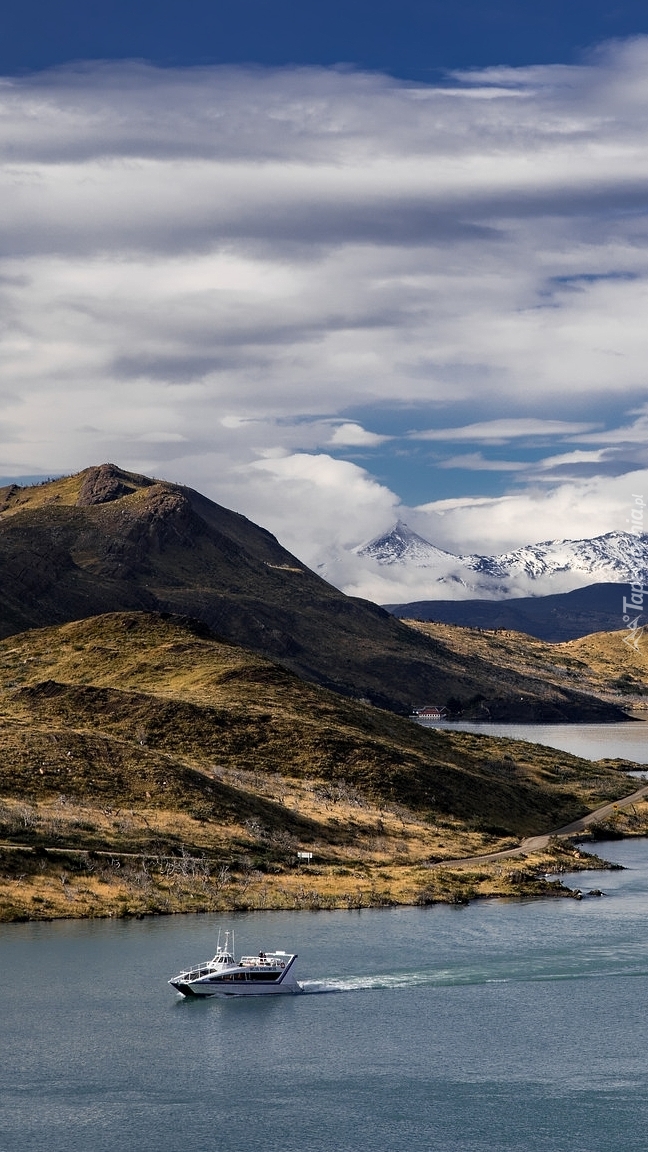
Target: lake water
{"points": [[498, 1027], [593, 741]]}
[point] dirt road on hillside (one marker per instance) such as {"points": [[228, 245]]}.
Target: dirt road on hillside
{"points": [[539, 843]]}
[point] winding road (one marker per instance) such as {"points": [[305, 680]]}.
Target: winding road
{"points": [[531, 844], [539, 843]]}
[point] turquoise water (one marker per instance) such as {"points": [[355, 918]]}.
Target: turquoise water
{"points": [[498, 1027]]}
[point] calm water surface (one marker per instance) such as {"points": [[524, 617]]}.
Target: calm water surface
{"points": [[499, 1027], [593, 741]]}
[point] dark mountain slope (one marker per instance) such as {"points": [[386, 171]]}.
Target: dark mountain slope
{"points": [[563, 616], [107, 540]]}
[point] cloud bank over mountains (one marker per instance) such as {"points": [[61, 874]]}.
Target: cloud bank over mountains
{"points": [[329, 299], [403, 563]]}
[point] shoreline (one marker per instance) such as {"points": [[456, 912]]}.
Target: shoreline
{"points": [[535, 876], [41, 882]]}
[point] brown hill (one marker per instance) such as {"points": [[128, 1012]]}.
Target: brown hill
{"points": [[141, 734], [605, 664], [163, 686], [108, 540]]}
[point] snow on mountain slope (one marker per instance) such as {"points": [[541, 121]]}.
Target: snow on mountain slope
{"points": [[403, 562], [616, 556], [402, 546]]}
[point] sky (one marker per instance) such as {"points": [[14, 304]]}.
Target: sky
{"points": [[334, 265]]}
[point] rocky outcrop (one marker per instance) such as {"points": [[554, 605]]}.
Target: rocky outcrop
{"points": [[106, 483]]}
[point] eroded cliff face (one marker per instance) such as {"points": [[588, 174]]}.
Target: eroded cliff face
{"points": [[106, 483]]}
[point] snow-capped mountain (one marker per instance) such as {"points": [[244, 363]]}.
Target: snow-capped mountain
{"points": [[402, 546], [535, 569], [617, 556]]}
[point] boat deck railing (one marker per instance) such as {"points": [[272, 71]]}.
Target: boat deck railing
{"points": [[268, 961], [196, 972], [208, 967]]}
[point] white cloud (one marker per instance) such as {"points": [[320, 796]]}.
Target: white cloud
{"points": [[635, 433], [502, 430], [574, 509], [576, 457], [476, 462], [350, 504], [354, 435], [235, 421], [207, 273]]}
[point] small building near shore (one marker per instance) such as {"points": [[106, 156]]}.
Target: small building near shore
{"points": [[430, 712]]}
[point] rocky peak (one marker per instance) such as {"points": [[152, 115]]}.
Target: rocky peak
{"points": [[401, 546], [107, 482]]}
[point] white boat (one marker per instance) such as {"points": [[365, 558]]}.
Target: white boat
{"points": [[268, 973]]}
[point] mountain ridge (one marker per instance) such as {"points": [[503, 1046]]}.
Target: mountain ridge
{"points": [[555, 618], [107, 540], [612, 557]]}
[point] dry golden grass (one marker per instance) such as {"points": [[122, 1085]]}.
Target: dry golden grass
{"points": [[147, 767], [63, 492], [613, 664], [602, 664], [50, 884]]}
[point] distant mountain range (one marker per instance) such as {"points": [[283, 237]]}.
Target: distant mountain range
{"points": [[565, 616], [616, 557]]}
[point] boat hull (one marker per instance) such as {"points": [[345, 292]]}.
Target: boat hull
{"points": [[199, 989], [238, 980]]}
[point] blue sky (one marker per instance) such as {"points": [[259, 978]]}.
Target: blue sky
{"points": [[333, 265], [416, 39]]}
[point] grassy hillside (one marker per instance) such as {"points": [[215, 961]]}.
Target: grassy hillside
{"points": [[108, 540], [146, 765], [601, 664]]}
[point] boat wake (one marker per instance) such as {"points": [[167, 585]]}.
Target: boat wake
{"points": [[441, 978], [596, 963]]}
